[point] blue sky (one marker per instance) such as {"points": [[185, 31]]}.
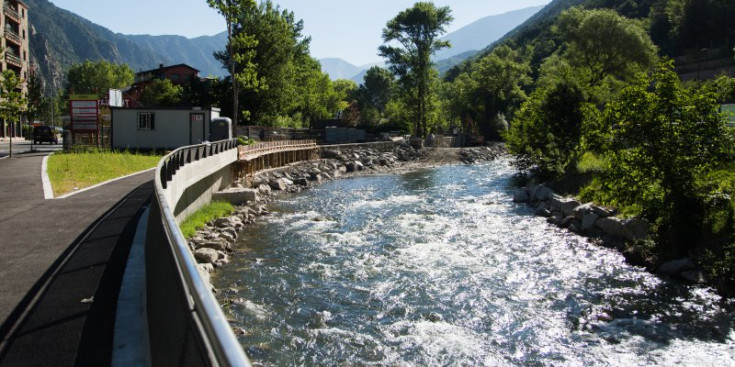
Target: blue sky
{"points": [[347, 29]]}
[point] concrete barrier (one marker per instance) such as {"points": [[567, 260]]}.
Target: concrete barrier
{"points": [[186, 324]]}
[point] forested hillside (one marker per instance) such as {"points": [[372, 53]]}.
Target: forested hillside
{"points": [[692, 31], [60, 38]]}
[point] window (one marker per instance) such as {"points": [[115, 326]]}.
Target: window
{"points": [[146, 121]]}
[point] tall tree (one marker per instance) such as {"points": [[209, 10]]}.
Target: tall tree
{"points": [[232, 10], [35, 97], [96, 77], [605, 43], [12, 102], [417, 31]]}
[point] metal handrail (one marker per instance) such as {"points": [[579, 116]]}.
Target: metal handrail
{"points": [[224, 348]]}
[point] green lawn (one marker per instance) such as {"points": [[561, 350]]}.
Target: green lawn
{"points": [[73, 171]]}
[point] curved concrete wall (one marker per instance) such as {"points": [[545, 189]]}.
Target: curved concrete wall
{"points": [[186, 324]]}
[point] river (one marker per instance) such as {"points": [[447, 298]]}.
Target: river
{"points": [[438, 267]]}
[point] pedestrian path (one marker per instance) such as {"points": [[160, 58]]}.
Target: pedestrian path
{"points": [[61, 263]]}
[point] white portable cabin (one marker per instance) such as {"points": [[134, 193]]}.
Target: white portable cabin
{"points": [[157, 128]]}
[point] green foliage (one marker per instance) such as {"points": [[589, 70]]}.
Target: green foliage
{"points": [[211, 211], [659, 142], [162, 93], [417, 31], [545, 134], [280, 83], [243, 140], [491, 88], [12, 102], [592, 163], [96, 77], [377, 89], [605, 43]]}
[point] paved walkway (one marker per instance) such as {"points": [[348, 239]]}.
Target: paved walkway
{"points": [[61, 263]]}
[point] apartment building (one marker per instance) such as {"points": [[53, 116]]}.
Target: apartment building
{"points": [[16, 55]]}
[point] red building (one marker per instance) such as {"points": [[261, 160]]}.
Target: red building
{"points": [[177, 74]]}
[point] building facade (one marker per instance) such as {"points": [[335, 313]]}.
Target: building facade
{"points": [[177, 74], [16, 55]]}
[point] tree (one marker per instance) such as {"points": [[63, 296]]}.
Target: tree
{"points": [[35, 97], [491, 88], [238, 56], [377, 89], [346, 92], [545, 133], [161, 93], [12, 102], [96, 77], [416, 30], [660, 138], [605, 43]]}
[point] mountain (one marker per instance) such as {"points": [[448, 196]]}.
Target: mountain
{"points": [[196, 52], [59, 38], [338, 68], [481, 33], [466, 42], [697, 35]]}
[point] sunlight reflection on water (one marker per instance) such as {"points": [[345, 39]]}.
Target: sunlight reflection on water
{"points": [[439, 268]]}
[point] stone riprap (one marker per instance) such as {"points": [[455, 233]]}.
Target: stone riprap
{"points": [[594, 220]]}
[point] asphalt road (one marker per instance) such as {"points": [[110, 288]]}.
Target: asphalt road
{"points": [[60, 265], [26, 146]]}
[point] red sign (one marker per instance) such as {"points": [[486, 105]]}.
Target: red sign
{"points": [[84, 116]]}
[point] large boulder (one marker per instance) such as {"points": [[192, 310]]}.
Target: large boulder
{"points": [[206, 255], [521, 196], [589, 220], [236, 196], [611, 226], [636, 229], [676, 267], [543, 193], [280, 184], [567, 207]]}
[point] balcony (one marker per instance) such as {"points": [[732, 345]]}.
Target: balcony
{"points": [[12, 36], [12, 59], [12, 13]]}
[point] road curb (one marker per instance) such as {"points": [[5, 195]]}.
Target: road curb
{"points": [[48, 191]]}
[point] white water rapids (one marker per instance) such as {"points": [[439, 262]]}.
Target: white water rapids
{"points": [[439, 268]]}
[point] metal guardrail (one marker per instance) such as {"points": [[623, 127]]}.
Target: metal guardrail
{"points": [[186, 323], [249, 152]]}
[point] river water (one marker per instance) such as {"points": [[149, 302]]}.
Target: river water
{"points": [[438, 267]]}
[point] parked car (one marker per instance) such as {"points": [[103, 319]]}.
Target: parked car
{"points": [[44, 134]]}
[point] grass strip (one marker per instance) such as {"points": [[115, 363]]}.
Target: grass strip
{"points": [[196, 221], [73, 171]]}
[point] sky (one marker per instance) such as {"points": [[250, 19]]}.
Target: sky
{"points": [[346, 29]]}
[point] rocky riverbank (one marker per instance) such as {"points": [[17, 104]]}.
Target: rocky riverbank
{"points": [[602, 223], [213, 243]]}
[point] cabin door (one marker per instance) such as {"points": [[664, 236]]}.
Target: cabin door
{"points": [[196, 128]]}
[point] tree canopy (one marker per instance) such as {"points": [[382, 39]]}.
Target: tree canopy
{"points": [[96, 77], [416, 32]]}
